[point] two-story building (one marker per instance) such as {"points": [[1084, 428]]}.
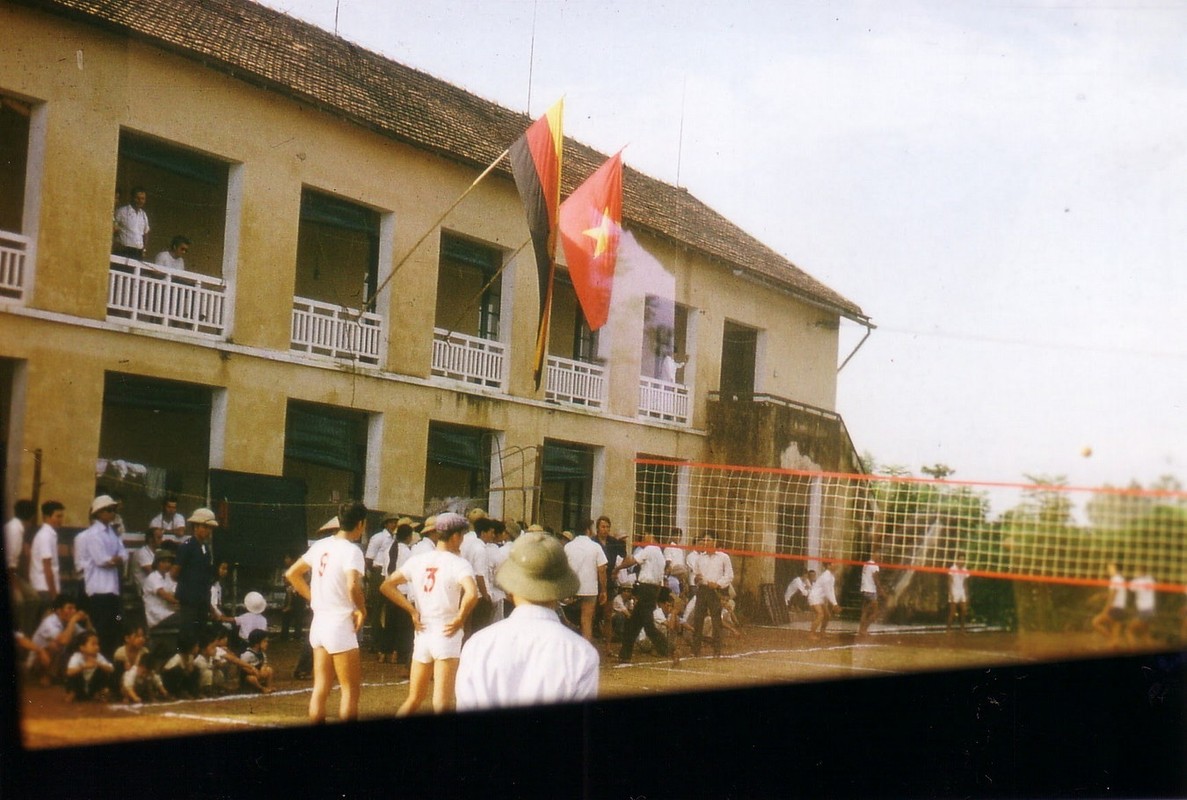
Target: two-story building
{"points": [[329, 335]]}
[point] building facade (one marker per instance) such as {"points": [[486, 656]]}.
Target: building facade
{"points": [[329, 336]]}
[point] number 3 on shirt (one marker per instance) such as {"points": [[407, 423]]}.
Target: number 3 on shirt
{"points": [[430, 579]]}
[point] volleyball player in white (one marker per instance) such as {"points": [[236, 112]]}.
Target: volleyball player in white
{"points": [[444, 592], [822, 598], [335, 594], [958, 593]]}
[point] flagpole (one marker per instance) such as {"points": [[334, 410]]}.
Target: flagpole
{"points": [[468, 305], [434, 226]]}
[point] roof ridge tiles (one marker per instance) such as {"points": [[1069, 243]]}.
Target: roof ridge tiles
{"points": [[410, 105]]}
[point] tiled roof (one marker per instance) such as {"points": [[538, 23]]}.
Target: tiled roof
{"points": [[265, 47]]}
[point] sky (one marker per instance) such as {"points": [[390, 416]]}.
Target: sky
{"points": [[1001, 187]]}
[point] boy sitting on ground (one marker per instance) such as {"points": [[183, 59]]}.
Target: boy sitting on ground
{"points": [[54, 635], [180, 674], [88, 672], [128, 654], [225, 665], [141, 683], [256, 657]]}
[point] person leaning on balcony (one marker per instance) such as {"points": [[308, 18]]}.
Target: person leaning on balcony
{"points": [[174, 257], [131, 223]]}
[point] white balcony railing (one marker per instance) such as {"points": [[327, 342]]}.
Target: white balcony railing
{"points": [[468, 358], [152, 296], [336, 331], [13, 247], [576, 382], [663, 400]]}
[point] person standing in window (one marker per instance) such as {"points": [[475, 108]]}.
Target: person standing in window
{"points": [[131, 224]]}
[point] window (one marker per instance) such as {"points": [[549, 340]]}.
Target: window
{"points": [[569, 334], [14, 155], [665, 334], [567, 473], [459, 460], [337, 251], [186, 196], [469, 288], [326, 447], [739, 347], [154, 439]]}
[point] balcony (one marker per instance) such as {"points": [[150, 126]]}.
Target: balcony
{"points": [[757, 428], [468, 359], [13, 247], [150, 296], [336, 331], [577, 383], [663, 400]]}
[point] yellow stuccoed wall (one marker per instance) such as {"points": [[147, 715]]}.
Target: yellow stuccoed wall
{"points": [[88, 84]]}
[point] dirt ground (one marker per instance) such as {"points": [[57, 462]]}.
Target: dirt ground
{"points": [[761, 655]]}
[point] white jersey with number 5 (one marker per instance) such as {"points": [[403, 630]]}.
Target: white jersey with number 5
{"points": [[331, 559], [435, 579]]}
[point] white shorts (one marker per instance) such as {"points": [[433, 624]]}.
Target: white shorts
{"points": [[430, 645], [333, 633]]}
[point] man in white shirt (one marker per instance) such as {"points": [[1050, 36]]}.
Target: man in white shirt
{"points": [[677, 560], [335, 595], [376, 560], [1142, 587], [530, 657], [474, 551], [822, 598], [588, 560], [159, 592], [100, 555], [1112, 618], [443, 595], [796, 596], [395, 629], [44, 571], [170, 523], [490, 531], [650, 559], [131, 226], [25, 600], [869, 595], [143, 557], [428, 537], [174, 257], [713, 574], [958, 595]]}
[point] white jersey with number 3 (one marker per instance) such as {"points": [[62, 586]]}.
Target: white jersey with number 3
{"points": [[435, 579], [331, 559]]}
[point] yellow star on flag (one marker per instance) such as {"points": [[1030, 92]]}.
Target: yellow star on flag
{"points": [[602, 234]]}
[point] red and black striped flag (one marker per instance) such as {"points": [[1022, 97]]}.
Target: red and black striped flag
{"points": [[536, 165]]}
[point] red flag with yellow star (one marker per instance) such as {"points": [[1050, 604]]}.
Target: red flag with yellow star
{"points": [[590, 224]]}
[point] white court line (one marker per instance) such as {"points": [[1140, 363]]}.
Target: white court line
{"points": [[219, 720], [137, 707], [667, 666]]}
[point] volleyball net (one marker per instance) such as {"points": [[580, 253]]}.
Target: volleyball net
{"points": [[1031, 532]]}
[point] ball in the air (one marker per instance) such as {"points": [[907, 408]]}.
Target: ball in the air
{"points": [[1086, 452]]}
